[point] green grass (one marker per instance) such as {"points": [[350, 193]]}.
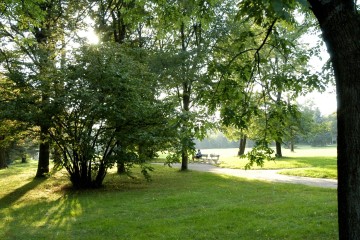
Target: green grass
{"points": [[306, 161], [174, 205], [302, 157], [316, 172]]}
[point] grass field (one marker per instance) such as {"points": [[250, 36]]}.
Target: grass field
{"points": [[174, 205], [319, 162]]}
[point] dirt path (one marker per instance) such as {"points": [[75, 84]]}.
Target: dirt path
{"points": [[265, 175]]}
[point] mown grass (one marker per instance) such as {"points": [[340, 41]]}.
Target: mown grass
{"points": [[174, 205], [315, 172], [306, 161]]}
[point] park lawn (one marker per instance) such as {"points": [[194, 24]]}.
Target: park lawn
{"points": [[315, 172], [317, 167], [306, 161], [174, 205]]}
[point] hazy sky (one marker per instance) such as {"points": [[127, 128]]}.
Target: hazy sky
{"points": [[326, 101]]}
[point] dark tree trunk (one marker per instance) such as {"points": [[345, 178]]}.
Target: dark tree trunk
{"points": [[23, 158], [184, 160], [44, 155], [186, 88], [120, 164], [340, 25], [3, 162], [46, 64], [242, 145], [186, 141], [278, 149], [121, 168], [279, 133], [292, 147]]}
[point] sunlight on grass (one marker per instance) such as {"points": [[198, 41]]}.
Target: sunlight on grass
{"points": [[319, 162], [312, 172], [174, 205]]}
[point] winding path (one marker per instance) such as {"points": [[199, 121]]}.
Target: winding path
{"points": [[265, 175]]}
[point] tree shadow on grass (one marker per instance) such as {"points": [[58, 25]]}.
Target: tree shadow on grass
{"points": [[10, 198]]}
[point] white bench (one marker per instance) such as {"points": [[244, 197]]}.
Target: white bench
{"points": [[204, 158], [208, 158], [213, 158]]}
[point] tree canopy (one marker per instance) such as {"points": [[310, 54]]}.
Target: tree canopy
{"points": [[165, 69], [197, 57]]}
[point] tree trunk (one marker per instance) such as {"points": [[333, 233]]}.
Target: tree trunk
{"points": [[279, 133], [186, 91], [184, 160], [57, 155], [44, 154], [121, 168], [242, 145], [23, 158], [3, 163], [278, 149], [340, 25], [292, 146]]}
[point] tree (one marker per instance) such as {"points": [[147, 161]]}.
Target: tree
{"points": [[339, 22], [15, 142], [232, 133], [286, 76], [314, 128], [34, 33], [183, 30], [122, 22], [263, 69], [3, 160], [104, 109]]}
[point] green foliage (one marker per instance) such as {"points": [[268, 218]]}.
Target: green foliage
{"points": [[120, 21], [242, 59], [36, 35], [184, 33], [262, 68], [263, 11], [258, 154], [106, 110], [314, 128]]}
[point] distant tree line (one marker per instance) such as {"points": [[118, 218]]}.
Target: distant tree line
{"points": [[312, 128]]}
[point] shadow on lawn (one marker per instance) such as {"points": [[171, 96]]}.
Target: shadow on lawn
{"points": [[10, 198]]}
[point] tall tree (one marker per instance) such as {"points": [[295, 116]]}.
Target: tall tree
{"points": [[234, 134], [262, 66], [3, 160], [184, 42], [106, 103], [122, 22], [33, 31], [339, 22], [340, 25]]}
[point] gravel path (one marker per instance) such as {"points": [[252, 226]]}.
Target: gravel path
{"points": [[265, 175]]}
